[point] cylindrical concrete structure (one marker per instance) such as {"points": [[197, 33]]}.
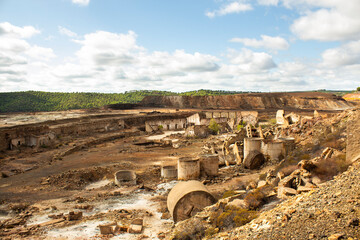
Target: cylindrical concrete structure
{"points": [[168, 172], [209, 164], [251, 144], [289, 144], [254, 160], [273, 149], [188, 168], [125, 178], [188, 198]]}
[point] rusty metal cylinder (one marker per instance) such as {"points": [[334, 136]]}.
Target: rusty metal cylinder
{"points": [[188, 168], [251, 144], [125, 178], [209, 164], [168, 172], [187, 198]]}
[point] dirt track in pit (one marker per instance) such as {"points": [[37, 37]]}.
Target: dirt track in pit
{"points": [[114, 155]]}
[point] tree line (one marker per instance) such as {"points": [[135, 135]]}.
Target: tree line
{"points": [[35, 101]]}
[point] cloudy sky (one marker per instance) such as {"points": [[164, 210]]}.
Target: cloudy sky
{"points": [[121, 45]]}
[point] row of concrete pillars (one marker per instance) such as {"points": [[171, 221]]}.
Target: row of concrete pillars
{"points": [[192, 167], [273, 149]]}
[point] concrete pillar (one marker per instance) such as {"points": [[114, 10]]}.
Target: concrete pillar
{"points": [[188, 168]]}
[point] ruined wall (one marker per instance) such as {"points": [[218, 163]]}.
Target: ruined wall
{"points": [[167, 124], [249, 101], [17, 135], [39, 133]]}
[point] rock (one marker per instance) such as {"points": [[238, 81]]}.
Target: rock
{"points": [[261, 183], [166, 215], [284, 192], [316, 180], [336, 236], [136, 226], [353, 222], [308, 165], [51, 222], [73, 216], [110, 228], [133, 228], [239, 203], [301, 189]]}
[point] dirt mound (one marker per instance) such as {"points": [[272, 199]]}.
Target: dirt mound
{"points": [[77, 179], [267, 101], [352, 97]]}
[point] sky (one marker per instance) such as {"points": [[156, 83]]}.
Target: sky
{"points": [[113, 46]]}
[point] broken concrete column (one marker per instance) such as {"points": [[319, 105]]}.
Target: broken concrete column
{"points": [[125, 178], [209, 164], [188, 168], [273, 150], [280, 117], [251, 144], [254, 160], [188, 198], [168, 172], [110, 228], [136, 226]]}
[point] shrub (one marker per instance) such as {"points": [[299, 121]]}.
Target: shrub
{"points": [[229, 193], [239, 127], [211, 231], [214, 126], [232, 217], [160, 127]]}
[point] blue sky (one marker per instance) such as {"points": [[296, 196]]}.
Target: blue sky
{"points": [[118, 45]]}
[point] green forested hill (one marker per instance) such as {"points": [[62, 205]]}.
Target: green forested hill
{"points": [[32, 101]]}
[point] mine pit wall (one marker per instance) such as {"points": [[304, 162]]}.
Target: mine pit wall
{"points": [[353, 138], [36, 134], [252, 101]]}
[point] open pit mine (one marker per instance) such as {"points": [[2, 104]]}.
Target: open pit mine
{"points": [[247, 166]]}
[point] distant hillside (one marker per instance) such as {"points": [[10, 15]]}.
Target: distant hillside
{"points": [[34, 101]]}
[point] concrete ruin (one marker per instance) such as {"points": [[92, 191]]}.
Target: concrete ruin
{"points": [[169, 172], [209, 164], [187, 198], [166, 125], [125, 178], [188, 168]]}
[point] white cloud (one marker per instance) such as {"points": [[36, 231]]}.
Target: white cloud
{"points": [[81, 2], [232, 7], [347, 54], [40, 53], [66, 32], [9, 30], [18, 56], [268, 42], [115, 62], [268, 2], [249, 61], [105, 48], [326, 20]]}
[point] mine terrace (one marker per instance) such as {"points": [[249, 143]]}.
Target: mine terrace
{"points": [[246, 166]]}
